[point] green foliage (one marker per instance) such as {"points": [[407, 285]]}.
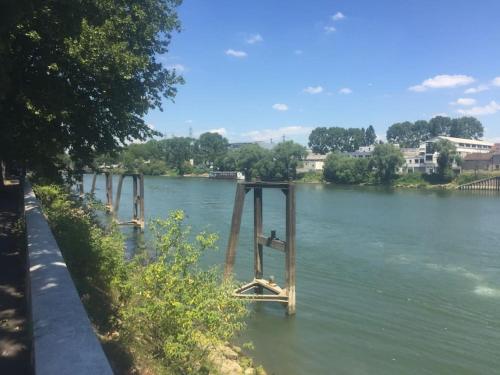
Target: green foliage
{"points": [[386, 159], [169, 312], [177, 151], [447, 156], [344, 169], [281, 163], [209, 147], [94, 256], [172, 307], [82, 75], [323, 140], [310, 177], [408, 134]]}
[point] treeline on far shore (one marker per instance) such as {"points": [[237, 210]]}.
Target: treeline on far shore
{"points": [[211, 151]]}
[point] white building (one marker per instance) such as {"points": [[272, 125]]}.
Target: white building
{"points": [[466, 146], [424, 158]]}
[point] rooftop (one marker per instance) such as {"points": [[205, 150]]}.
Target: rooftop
{"points": [[465, 140]]}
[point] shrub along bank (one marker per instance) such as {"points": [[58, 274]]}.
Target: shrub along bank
{"points": [[162, 315]]}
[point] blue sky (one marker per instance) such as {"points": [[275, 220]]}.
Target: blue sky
{"points": [[262, 69]]}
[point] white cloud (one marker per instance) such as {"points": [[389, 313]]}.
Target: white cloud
{"points": [[234, 53], [345, 91], [329, 29], [298, 52], [280, 107], [488, 109], [277, 134], [221, 131], [496, 81], [338, 16], [464, 102], [313, 90], [443, 81], [254, 38], [179, 68], [475, 90]]}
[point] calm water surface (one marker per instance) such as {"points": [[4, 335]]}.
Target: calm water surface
{"points": [[388, 282]]}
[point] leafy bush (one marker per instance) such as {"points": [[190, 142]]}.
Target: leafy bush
{"points": [[93, 256], [344, 169], [175, 309], [168, 312]]}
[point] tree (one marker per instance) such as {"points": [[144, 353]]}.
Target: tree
{"points": [[447, 155], [401, 133], [386, 159], [319, 141], [466, 127], [177, 151], [370, 136], [82, 74], [409, 134], [323, 140], [281, 163], [210, 146], [344, 169], [248, 157], [439, 125]]}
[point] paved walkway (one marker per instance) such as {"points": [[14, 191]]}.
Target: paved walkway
{"points": [[14, 326]]}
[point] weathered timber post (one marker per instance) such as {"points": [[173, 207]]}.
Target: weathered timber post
{"points": [[137, 200], [239, 201], [94, 180], [81, 192], [290, 248], [109, 192], [258, 285]]}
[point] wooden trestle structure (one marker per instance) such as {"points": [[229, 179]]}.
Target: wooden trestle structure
{"points": [[492, 183], [137, 200], [258, 285]]}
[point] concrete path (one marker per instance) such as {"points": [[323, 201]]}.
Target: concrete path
{"points": [[14, 327]]}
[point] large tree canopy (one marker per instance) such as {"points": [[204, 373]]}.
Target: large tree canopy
{"points": [[82, 74], [323, 140], [408, 134]]}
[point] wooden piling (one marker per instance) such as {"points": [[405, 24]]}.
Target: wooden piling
{"points": [[290, 249], [118, 194], [94, 180], [239, 201], [109, 192], [258, 247]]}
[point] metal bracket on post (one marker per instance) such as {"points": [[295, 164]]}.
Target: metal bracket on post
{"points": [[137, 200], [258, 285]]}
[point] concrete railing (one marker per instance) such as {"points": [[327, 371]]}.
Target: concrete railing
{"points": [[63, 339]]}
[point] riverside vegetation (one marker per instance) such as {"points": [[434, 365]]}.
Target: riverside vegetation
{"points": [[159, 314]]}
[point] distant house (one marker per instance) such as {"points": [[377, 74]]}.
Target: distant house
{"points": [[312, 163], [482, 162], [362, 152], [414, 160]]}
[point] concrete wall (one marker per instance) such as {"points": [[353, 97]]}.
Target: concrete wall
{"points": [[63, 339]]}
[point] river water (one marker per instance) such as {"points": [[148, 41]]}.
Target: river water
{"points": [[388, 281]]}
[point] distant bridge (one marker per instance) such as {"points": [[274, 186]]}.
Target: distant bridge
{"points": [[492, 183]]}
